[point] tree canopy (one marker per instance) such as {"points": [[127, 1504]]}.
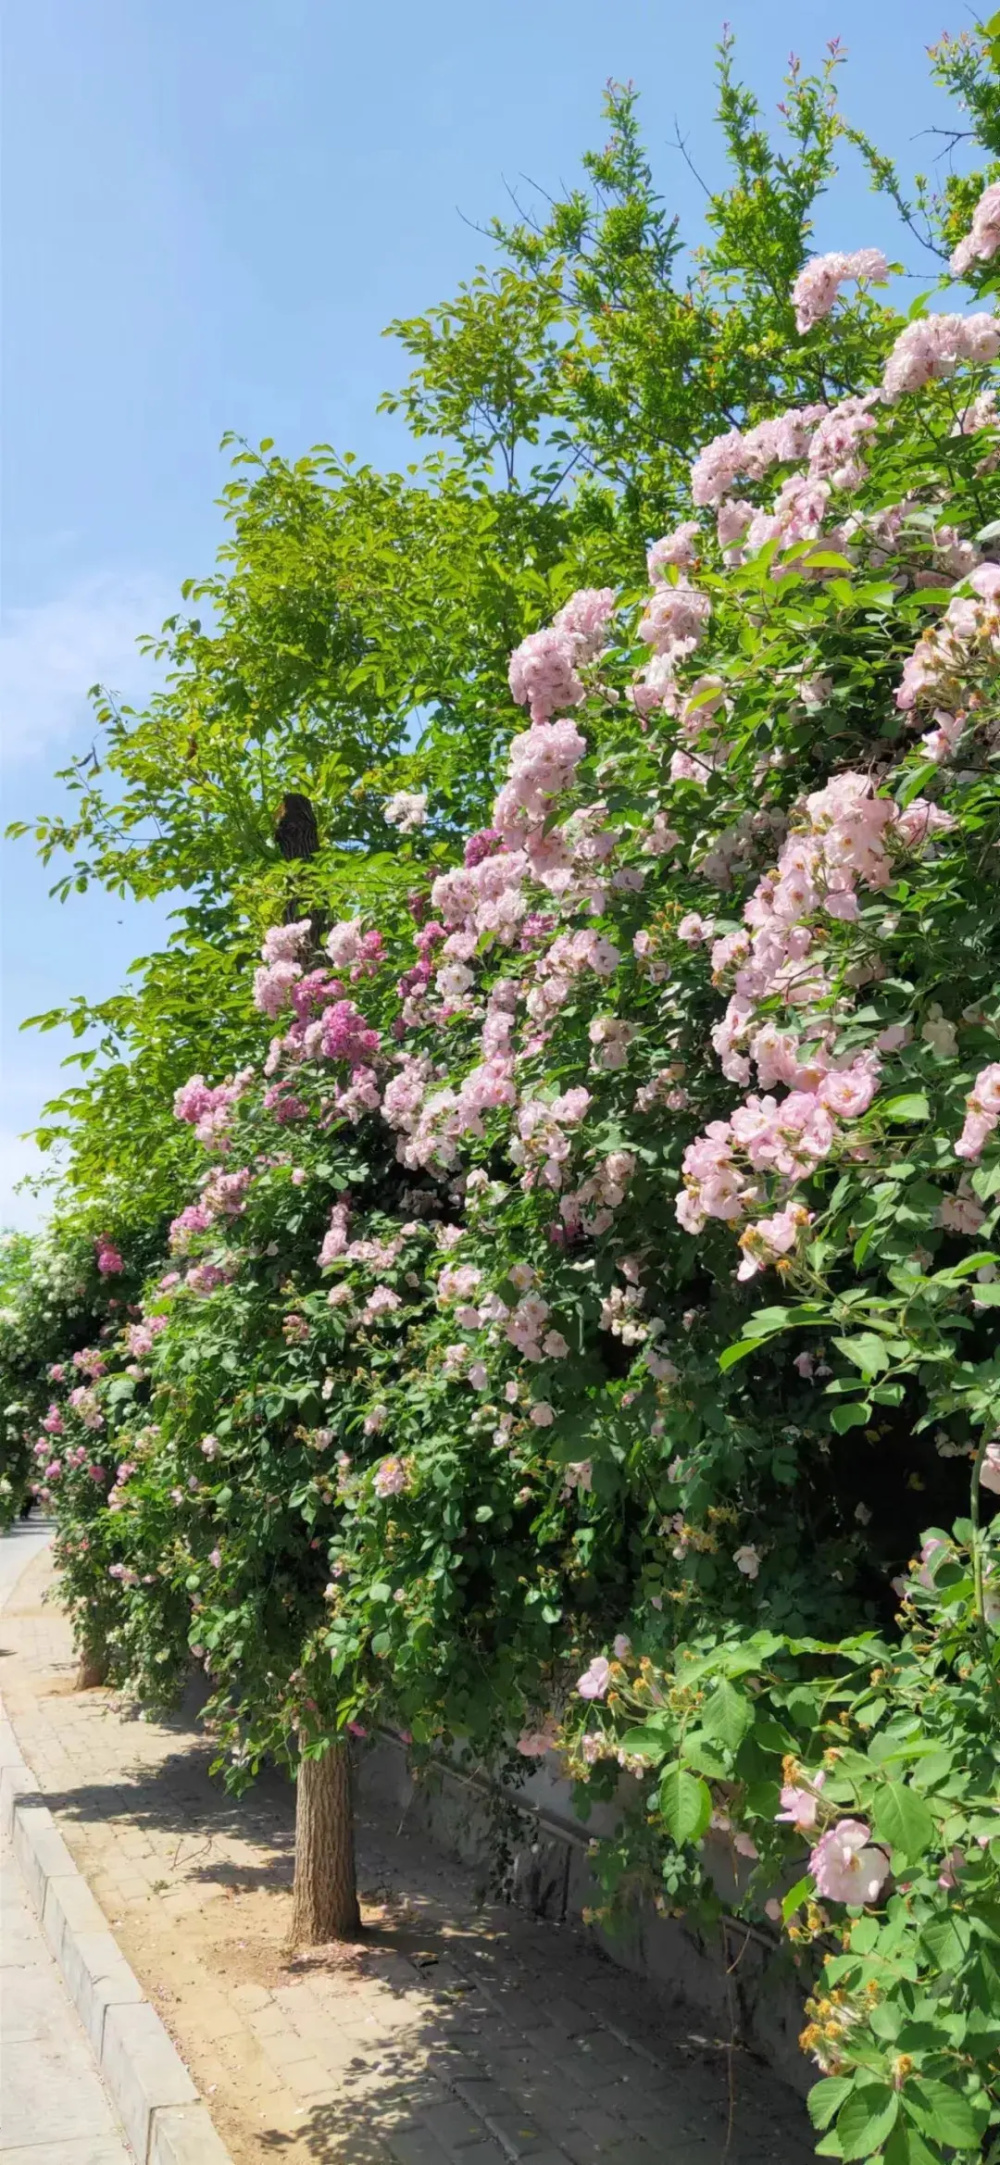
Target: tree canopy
{"points": [[555, 1311]]}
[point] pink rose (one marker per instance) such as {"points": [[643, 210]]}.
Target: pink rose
{"points": [[800, 1802], [594, 1682], [847, 1866]]}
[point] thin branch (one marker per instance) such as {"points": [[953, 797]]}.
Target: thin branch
{"points": [[564, 476], [952, 135], [680, 143]]}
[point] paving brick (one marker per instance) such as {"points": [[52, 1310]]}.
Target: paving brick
{"points": [[453, 2124], [580, 2148], [482, 2153], [284, 2047], [416, 2146], [308, 2078], [515, 2041]]}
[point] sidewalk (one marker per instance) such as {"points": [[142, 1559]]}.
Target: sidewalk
{"points": [[54, 2109], [455, 2035]]}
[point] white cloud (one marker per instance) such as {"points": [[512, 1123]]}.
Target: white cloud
{"points": [[51, 653]]}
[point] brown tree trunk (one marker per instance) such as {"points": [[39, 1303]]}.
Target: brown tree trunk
{"points": [[325, 1900], [93, 1669]]}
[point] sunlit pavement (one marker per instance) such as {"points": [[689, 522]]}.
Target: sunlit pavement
{"points": [[54, 2109]]}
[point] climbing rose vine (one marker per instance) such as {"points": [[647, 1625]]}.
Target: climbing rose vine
{"points": [[589, 1294]]}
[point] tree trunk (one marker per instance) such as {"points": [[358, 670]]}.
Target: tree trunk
{"points": [[93, 1669], [325, 1901]]}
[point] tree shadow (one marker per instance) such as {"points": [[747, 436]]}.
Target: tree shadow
{"points": [[179, 1796], [431, 2068]]}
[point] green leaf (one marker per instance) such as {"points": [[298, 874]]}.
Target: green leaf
{"points": [[866, 1351], [968, 1265], [867, 2117], [796, 1895], [902, 1819], [911, 1105], [766, 1321], [645, 1743], [855, 1415], [738, 1352], [686, 1804], [942, 2112], [826, 2097], [906, 2147], [706, 1756], [727, 1714], [770, 1735], [947, 1940]]}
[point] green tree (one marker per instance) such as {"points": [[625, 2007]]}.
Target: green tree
{"points": [[353, 638]]}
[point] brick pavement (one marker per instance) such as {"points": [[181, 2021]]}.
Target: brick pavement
{"points": [[456, 2035], [54, 2109]]}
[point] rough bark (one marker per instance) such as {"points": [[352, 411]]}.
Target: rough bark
{"points": [[325, 1901], [93, 1669]]}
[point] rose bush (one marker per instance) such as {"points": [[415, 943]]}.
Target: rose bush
{"points": [[581, 1334], [467, 1364]]}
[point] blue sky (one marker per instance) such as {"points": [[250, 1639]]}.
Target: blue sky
{"points": [[210, 214]]}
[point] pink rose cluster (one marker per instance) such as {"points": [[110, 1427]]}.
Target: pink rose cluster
{"points": [[981, 1114], [780, 953], [195, 1218], [208, 1110], [275, 983], [109, 1258], [681, 548], [407, 810], [818, 284], [542, 1145], [983, 238], [938, 669], [139, 1336], [781, 441], [345, 1035], [83, 1401], [933, 347], [225, 1193], [543, 763], [830, 440], [544, 668], [352, 948], [391, 1478]]}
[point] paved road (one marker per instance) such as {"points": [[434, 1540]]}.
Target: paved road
{"points": [[17, 1549], [54, 2109]]}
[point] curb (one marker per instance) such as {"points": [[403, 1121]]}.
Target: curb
{"points": [[160, 2110]]}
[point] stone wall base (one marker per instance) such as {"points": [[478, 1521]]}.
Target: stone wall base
{"points": [[735, 1979]]}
